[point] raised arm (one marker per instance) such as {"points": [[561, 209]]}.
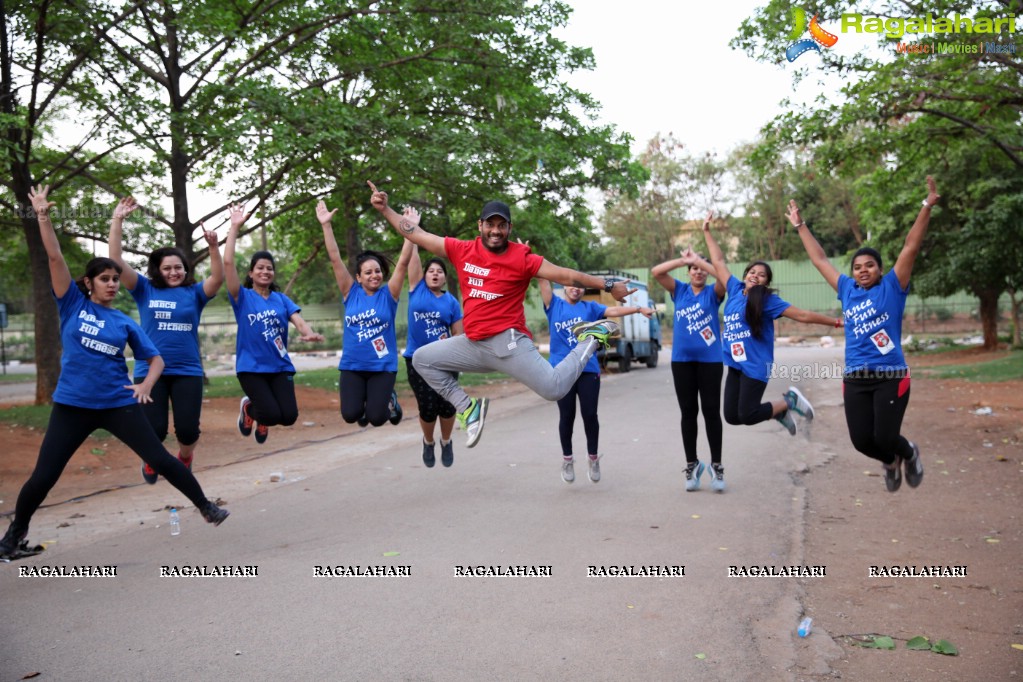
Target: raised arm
{"points": [[60, 276], [546, 291], [915, 238], [415, 268], [717, 259], [661, 273], [211, 285], [341, 275], [621, 310], [405, 226], [401, 267], [808, 317], [573, 278], [813, 247], [125, 206], [238, 217]]}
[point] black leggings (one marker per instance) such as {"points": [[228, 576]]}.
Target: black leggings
{"points": [[696, 384], [587, 388], [185, 393], [366, 394], [69, 427], [742, 399], [431, 404], [272, 396], [874, 409]]}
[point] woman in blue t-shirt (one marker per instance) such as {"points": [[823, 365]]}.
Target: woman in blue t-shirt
{"points": [[696, 365], [262, 363], [433, 314], [170, 303], [93, 390], [369, 357], [875, 384], [747, 343], [563, 315]]}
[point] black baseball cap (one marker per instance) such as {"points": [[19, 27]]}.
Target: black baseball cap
{"points": [[493, 208]]}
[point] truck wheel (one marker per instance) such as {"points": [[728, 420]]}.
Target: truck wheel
{"points": [[651, 360], [625, 360]]}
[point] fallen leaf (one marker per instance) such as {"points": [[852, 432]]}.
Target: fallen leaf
{"points": [[392, 553], [98, 451], [700, 656], [696, 516], [993, 541], [943, 646], [920, 643], [1018, 646]]}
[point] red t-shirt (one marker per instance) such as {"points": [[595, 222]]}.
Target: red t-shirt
{"points": [[493, 285]]}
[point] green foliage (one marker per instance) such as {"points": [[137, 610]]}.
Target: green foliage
{"points": [[1009, 368]]}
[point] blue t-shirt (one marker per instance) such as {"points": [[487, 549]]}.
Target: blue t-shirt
{"points": [[697, 330], [170, 317], [93, 372], [429, 317], [741, 350], [262, 342], [873, 324], [561, 317], [369, 341]]}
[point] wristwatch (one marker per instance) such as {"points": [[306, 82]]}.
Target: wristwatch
{"points": [[928, 205], [609, 284]]}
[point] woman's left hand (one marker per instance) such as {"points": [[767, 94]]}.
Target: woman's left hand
{"points": [[140, 392], [312, 337]]}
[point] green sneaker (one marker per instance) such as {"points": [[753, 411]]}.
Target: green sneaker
{"points": [[602, 331], [471, 420], [786, 420]]}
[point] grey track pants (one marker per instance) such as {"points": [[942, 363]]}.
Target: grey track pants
{"points": [[511, 352]]}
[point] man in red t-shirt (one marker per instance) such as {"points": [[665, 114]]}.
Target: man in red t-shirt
{"points": [[494, 275]]}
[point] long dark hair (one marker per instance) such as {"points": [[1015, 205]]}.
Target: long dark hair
{"points": [[256, 257], [93, 269], [385, 265], [156, 259], [755, 297]]}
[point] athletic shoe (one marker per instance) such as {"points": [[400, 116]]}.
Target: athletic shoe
{"points": [[594, 471], [363, 420], [786, 420], [602, 331], [893, 477], [395, 409], [213, 514], [798, 403], [262, 431], [148, 475], [472, 419], [12, 541], [914, 467], [245, 422], [693, 472], [567, 470], [717, 478], [186, 462], [429, 458], [447, 453]]}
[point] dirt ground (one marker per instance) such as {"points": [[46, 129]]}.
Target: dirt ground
{"points": [[966, 513]]}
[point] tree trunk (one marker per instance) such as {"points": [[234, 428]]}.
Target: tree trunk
{"points": [[1017, 337], [989, 316]]}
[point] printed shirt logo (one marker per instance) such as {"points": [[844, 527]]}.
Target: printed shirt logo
{"points": [[708, 335], [818, 36], [739, 352], [883, 342]]}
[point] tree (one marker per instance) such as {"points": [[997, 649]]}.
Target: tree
{"points": [[907, 115]]}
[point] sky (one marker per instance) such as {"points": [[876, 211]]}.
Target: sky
{"points": [[665, 66]]}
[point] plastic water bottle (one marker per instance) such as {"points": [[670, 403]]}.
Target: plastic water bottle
{"points": [[175, 523], [804, 626]]}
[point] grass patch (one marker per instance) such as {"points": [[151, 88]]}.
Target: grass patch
{"points": [[17, 378], [1009, 368], [35, 416]]}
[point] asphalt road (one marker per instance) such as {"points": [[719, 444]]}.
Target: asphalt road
{"points": [[366, 500]]}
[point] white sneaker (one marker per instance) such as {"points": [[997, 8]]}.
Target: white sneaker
{"points": [[567, 471], [594, 472]]}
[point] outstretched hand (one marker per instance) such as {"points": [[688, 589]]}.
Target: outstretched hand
{"points": [[688, 256], [378, 198], [323, 214], [209, 235], [238, 215], [793, 214], [706, 221], [932, 192], [140, 393], [311, 337], [621, 291], [38, 196], [124, 207]]}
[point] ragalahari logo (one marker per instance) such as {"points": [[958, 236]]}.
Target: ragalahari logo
{"points": [[818, 36]]}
